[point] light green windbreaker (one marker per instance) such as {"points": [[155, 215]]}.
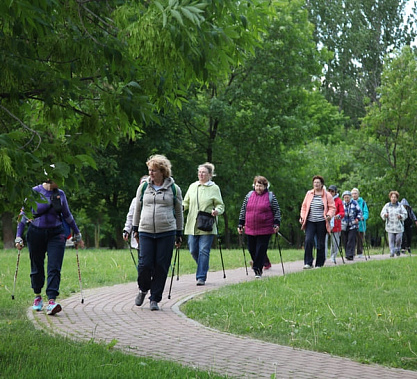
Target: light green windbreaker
{"points": [[209, 197]]}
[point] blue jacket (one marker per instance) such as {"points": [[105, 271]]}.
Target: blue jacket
{"points": [[365, 214]]}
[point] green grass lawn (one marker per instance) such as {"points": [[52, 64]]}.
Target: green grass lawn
{"points": [[366, 311], [29, 353]]}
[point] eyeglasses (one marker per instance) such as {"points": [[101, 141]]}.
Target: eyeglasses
{"points": [[202, 173]]}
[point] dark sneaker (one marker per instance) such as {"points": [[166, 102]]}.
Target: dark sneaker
{"points": [[154, 306], [201, 282], [140, 298], [53, 308]]}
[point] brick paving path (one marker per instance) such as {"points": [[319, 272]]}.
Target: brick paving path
{"points": [[109, 314]]}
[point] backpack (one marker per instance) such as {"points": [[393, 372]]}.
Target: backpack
{"points": [[174, 191], [56, 204]]}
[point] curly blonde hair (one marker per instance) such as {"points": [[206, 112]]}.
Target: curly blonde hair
{"points": [[160, 162]]}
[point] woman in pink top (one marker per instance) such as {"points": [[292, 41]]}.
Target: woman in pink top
{"points": [[316, 211], [260, 216]]}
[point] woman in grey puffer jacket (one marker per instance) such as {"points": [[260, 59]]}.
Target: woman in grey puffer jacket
{"points": [[157, 225]]}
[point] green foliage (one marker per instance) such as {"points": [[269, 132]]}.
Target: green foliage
{"points": [[359, 34], [78, 75]]}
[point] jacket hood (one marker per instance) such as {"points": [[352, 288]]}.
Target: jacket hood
{"points": [[167, 182], [404, 202], [208, 184]]}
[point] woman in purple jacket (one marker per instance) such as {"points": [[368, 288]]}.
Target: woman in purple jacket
{"points": [[260, 217], [46, 234]]}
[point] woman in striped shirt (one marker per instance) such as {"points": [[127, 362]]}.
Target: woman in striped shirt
{"points": [[316, 211]]}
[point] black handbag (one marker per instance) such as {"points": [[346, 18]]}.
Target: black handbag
{"points": [[204, 220]]}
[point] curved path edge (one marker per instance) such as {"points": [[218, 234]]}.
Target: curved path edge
{"points": [[109, 315]]}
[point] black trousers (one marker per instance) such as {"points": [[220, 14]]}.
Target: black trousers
{"points": [[315, 231], [349, 242], [407, 236], [258, 246]]}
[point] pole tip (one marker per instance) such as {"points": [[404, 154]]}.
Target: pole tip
{"points": [[82, 301], [12, 297]]}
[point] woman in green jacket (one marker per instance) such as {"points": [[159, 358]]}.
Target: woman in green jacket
{"points": [[202, 195]]}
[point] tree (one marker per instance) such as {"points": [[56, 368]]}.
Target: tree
{"points": [[391, 127], [360, 34], [271, 103], [76, 75]]}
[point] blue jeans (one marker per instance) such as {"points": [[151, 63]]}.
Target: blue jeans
{"points": [[200, 250], [154, 261], [41, 241]]}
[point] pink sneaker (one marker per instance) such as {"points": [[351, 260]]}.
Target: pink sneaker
{"points": [[267, 266], [37, 303]]}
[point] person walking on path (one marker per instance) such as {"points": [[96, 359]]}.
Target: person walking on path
{"points": [[408, 227], [337, 223], [202, 195], [46, 234], [394, 214], [350, 224], [316, 212], [360, 235], [157, 226], [127, 230], [259, 217]]}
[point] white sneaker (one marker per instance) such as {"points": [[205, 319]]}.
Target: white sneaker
{"points": [[333, 259], [359, 256], [307, 267], [53, 308]]}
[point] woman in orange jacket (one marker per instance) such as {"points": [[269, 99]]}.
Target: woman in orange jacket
{"points": [[316, 211]]}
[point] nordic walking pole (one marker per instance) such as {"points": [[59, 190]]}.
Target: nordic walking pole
{"points": [[133, 258], [279, 249], [285, 239], [79, 273], [15, 274], [220, 247], [177, 256], [244, 255], [365, 245], [339, 247], [362, 237], [221, 255]]}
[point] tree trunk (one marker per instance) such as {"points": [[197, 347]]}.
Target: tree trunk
{"points": [[7, 226]]}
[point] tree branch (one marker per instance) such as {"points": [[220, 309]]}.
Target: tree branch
{"points": [[34, 132]]}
